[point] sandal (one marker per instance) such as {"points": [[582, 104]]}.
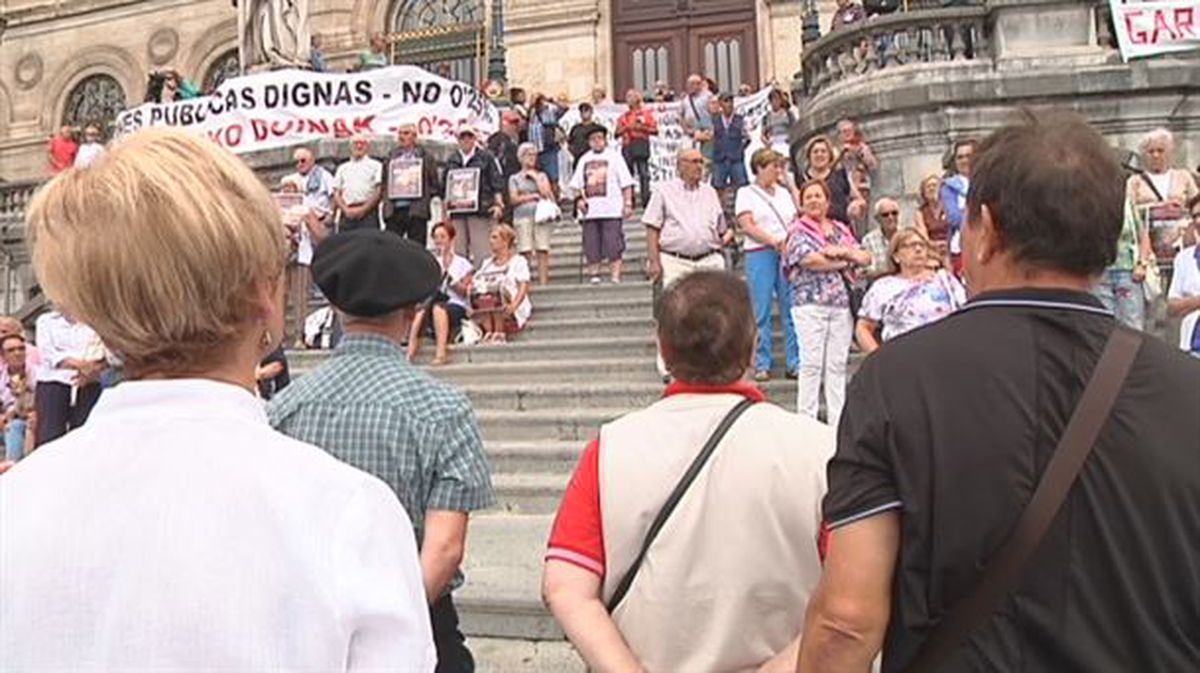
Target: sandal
{"points": [[762, 375]]}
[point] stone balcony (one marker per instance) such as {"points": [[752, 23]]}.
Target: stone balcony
{"points": [[918, 80]]}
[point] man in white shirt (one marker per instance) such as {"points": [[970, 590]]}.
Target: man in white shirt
{"points": [[693, 107], [358, 187], [603, 191], [317, 185], [1183, 297], [91, 149], [685, 227], [68, 383]]}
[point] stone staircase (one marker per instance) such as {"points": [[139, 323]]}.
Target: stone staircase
{"points": [[587, 356]]}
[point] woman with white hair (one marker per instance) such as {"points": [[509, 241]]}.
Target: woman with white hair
{"points": [[1156, 199], [176, 531], [525, 189]]}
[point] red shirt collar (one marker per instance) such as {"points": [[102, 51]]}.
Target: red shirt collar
{"points": [[743, 388]]}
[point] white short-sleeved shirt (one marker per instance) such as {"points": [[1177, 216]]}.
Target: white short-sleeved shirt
{"points": [[460, 267], [1185, 281], [358, 179], [758, 202], [601, 178], [176, 531], [507, 277], [58, 339], [87, 154]]}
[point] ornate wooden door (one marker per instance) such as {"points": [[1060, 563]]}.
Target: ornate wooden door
{"points": [[670, 39]]}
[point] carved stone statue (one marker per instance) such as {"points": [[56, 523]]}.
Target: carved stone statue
{"points": [[273, 34]]}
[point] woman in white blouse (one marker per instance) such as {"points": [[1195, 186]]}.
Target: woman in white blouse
{"points": [[175, 531], [449, 307], [500, 289]]}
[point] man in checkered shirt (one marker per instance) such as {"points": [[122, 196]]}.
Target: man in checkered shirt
{"points": [[369, 407]]}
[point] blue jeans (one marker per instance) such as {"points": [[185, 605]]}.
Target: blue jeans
{"points": [[767, 284], [1121, 295], [14, 439], [548, 162], [729, 174]]}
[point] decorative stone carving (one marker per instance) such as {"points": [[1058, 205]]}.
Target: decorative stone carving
{"points": [[28, 71], [273, 33], [162, 46]]}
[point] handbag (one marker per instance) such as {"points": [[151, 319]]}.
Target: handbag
{"points": [[854, 292], [673, 499], [546, 211], [1003, 572], [1152, 287]]}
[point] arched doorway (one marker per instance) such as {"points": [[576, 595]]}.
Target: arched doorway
{"points": [[225, 67], [445, 37], [97, 99]]}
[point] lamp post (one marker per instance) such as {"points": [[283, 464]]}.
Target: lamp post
{"points": [[497, 69]]}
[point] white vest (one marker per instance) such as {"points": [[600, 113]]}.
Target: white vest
{"points": [[726, 583]]}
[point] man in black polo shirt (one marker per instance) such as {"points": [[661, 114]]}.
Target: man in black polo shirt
{"points": [[947, 430]]}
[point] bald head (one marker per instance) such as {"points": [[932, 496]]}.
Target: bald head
{"points": [[305, 160], [690, 166]]}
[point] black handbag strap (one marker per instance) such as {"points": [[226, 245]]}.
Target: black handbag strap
{"points": [[676, 495], [1003, 572], [1154, 188]]}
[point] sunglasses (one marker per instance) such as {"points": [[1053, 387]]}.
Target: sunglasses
{"points": [[890, 213]]}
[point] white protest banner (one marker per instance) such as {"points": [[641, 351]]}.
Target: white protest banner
{"points": [[287, 107], [1157, 27], [671, 137]]}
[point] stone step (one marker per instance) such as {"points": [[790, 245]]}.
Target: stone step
{"points": [[604, 308], [578, 425], [552, 327], [522, 397], [548, 295], [503, 565], [530, 493], [533, 457], [507, 655]]}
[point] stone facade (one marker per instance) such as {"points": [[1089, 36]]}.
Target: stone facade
{"points": [[49, 47]]}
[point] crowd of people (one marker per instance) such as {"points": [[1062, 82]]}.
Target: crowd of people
{"points": [[187, 525]]}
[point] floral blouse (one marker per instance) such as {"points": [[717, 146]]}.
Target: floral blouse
{"points": [[903, 304], [823, 288]]}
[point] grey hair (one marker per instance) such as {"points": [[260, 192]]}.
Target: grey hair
{"points": [[526, 148], [882, 200], [1156, 135]]}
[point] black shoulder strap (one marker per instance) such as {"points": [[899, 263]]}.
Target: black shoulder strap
{"points": [[673, 499], [1003, 572], [1146, 177]]}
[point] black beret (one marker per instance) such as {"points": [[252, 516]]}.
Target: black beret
{"points": [[369, 273], [597, 129]]}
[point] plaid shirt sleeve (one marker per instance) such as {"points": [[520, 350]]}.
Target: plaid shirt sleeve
{"points": [[462, 480]]}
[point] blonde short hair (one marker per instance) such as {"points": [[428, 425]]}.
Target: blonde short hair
{"points": [[507, 233], [161, 246]]}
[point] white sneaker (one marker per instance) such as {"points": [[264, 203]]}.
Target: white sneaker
{"points": [[595, 280]]}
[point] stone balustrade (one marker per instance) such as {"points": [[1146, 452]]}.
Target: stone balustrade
{"points": [[15, 196], [923, 36]]}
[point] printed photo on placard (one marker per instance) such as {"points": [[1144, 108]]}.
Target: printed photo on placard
{"points": [[1167, 225], [595, 179], [462, 190], [405, 182]]}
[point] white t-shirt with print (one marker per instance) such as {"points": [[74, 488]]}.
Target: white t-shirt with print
{"points": [[507, 278], [758, 202], [601, 178]]}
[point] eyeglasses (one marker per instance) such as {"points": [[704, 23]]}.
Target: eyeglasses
{"points": [[691, 161], [890, 213]]}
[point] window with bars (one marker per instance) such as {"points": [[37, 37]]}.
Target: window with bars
{"points": [[651, 63], [98, 99], [442, 36], [723, 62], [226, 66]]}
